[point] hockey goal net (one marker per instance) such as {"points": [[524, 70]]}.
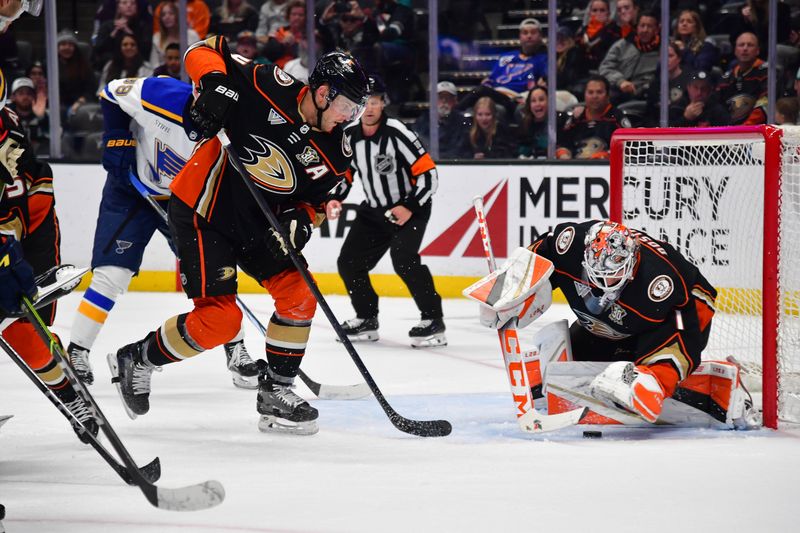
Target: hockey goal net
{"points": [[729, 200]]}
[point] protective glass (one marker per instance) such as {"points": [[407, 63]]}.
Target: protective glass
{"points": [[34, 7], [610, 256], [342, 105]]}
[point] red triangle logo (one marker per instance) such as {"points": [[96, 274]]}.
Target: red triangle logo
{"points": [[496, 219]]}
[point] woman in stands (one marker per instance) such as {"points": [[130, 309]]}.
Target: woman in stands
{"points": [[126, 62], [533, 135], [627, 13], [489, 138], [597, 36], [76, 79], [698, 53], [168, 31], [127, 21]]}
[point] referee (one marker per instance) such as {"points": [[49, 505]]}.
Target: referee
{"points": [[399, 179]]}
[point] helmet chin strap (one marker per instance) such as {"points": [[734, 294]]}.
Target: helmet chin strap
{"points": [[319, 109]]}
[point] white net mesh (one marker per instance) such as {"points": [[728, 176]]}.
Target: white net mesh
{"points": [[706, 197]]}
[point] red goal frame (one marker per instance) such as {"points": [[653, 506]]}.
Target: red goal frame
{"points": [[772, 138]]}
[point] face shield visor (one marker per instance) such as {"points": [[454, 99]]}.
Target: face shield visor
{"points": [[342, 106], [15, 8]]}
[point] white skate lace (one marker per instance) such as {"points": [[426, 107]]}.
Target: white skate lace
{"points": [[353, 322], [239, 356], [424, 323], [79, 410], [285, 394], [141, 377], [79, 359]]}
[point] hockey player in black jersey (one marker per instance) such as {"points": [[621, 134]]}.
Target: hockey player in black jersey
{"points": [[639, 304], [292, 144]]}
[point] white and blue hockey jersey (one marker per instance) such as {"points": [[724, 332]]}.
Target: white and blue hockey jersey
{"points": [[155, 106]]}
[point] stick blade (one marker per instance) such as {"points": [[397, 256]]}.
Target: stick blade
{"points": [[422, 428], [536, 422], [343, 392], [192, 498]]}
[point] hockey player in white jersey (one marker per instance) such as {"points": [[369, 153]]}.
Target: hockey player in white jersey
{"points": [[146, 138]]}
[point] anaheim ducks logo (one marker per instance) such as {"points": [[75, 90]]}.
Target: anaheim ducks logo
{"points": [[269, 166], [598, 327], [282, 78], [225, 273], [564, 240], [740, 107]]}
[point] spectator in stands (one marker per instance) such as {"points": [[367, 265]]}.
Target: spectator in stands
{"points": [[743, 89], [76, 80], [198, 17], [599, 34], [168, 32], [172, 62], [453, 125], [630, 64], [786, 110], [753, 18], [126, 62], [247, 46], [571, 68], [700, 107], [352, 31], [283, 44], [36, 74], [232, 17], [126, 22], [395, 22], [678, 80], [37, 129], [627, 13], [534, 135], [107, 11], [489, 138], [271, 17], [587, 133], [690, 37], [516, 72]]}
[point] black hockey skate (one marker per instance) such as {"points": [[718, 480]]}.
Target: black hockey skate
{"points": [[244, 371], [361, 329], [131, 373], [80, 411], [79, 359], [428, 333], [283, 411]]}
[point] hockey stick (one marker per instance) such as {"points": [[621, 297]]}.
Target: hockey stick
{"points": [[190, 498], [422, 428], [530, 420], [326, 392], [150, 471]]}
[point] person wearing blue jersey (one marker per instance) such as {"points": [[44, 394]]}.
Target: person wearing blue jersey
{"points": [[148, 137]]}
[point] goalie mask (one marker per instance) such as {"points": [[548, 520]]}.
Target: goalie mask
{"points": [[610, 256]]}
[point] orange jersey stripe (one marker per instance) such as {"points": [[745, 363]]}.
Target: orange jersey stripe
{"points": [[188, 185], [202, 60]]}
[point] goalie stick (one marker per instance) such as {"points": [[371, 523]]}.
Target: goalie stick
{"points": [[325, 392], [150, 471], [422, 428], [190, 498], [529, 419]]}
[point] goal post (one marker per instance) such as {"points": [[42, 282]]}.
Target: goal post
{"points": [[729, 200]]}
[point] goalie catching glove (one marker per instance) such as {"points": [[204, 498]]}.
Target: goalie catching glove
{"points": [[519, 289], [296, 226], [213, 104]]}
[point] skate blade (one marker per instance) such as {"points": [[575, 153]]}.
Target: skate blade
{"points": [[367, 336], [274, 424], [113, 365], [244, 382], [431, 341]]}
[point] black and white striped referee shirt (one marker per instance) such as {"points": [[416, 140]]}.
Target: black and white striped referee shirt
{"points": [[393, 166]]}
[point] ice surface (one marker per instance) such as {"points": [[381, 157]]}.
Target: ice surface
{"points": [[359, 473]]}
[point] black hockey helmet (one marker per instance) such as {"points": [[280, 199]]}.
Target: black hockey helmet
{"points": [[377, 87], [344, 76]]}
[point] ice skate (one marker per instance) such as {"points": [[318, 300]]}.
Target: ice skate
{"points": [[79, 359], [283, 411], [428, 333], [131, 373], [80, 410], [361, 329], [244, 371]]}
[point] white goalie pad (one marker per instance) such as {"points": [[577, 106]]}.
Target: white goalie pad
{"points": [[521, 276]]}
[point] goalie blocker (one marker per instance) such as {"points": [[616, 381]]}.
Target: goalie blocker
{"points": [[641, 306]]}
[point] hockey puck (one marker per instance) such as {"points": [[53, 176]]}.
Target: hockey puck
{"points": [[592, 434]]}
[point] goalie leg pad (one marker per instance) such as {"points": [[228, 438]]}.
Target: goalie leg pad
{"points": [[635, 388]]}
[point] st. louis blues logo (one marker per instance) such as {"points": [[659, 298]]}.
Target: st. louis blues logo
{"points": [[168, 164]]}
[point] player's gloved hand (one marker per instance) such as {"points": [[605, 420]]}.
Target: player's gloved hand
{"points": [[213, 104], [297, 226], [16, 277], [119, 153]]}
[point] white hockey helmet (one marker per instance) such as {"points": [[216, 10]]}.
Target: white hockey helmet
{"points": [[611, 254]]}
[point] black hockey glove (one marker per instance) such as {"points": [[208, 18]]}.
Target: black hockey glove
{"points": [[297, 227], [212, 106]]}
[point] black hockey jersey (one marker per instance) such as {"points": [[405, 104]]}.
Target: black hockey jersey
{"points": [[663, 312]]}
